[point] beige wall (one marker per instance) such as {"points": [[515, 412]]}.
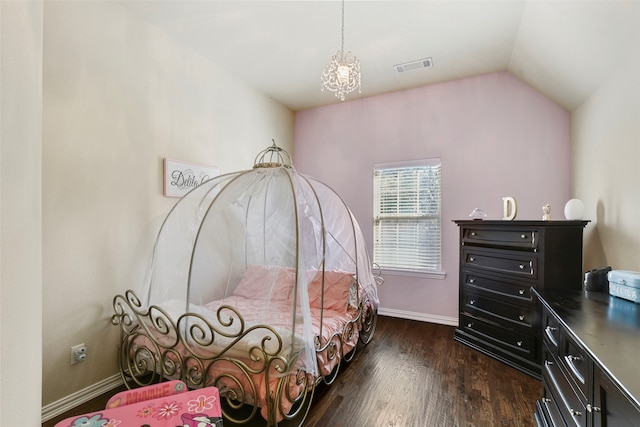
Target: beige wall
{"points": [[606, 159], [20, 212], [119, 96]]}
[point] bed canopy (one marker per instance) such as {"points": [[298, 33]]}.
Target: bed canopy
{"points": [[270, 234]]}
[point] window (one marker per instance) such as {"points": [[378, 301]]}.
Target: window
{"points": [[406, 211]]}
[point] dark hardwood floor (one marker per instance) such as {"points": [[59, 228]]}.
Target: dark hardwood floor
{"points": [[413, 374]]}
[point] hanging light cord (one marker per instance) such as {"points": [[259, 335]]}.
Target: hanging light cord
{"points": [[342, 48]]}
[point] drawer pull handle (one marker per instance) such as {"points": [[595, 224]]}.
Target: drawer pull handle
{"points": [[472, 280], [521, 291], [519, 343], [550, 328], [521, 266], [471, 259], [575, 413], [472, 302], [523, 236], [546, 400], [469, 325], [592, 408], [548, 362], [473, 234], [521, 317], [573, 368]]}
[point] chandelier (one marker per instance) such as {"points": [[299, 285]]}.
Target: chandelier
{"points": [[342, 75]]}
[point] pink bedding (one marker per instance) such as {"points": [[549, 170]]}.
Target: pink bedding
{"points": [[272, 283], [274, 286], [279, 317], [251, 294], [334, 323]]}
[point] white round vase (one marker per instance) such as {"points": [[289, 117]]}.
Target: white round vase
{"points": [[574, 209]]}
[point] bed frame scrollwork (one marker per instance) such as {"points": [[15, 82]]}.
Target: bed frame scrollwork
{"points": [[261, 379]]}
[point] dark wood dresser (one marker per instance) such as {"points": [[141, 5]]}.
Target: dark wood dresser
{"points": [[590, 371], [500, 263]]}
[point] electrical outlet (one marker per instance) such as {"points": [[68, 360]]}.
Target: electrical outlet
{"points": [[78, 353]]}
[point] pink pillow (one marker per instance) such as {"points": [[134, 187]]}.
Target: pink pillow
{"points": [[336, 290], [266, 282]]}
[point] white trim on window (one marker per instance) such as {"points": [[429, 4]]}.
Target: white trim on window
{"points": [[409, 273], [407, 217]]}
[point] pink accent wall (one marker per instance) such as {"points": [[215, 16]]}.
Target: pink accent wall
{"points": [[496, 137]]}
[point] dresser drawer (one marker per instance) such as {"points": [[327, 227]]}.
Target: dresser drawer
{"points": [[569, 404], [526, 239], [518, 343], [506, 314], [549, 411], [504, 289], [508, 262], [576, 363], [551, 330]]}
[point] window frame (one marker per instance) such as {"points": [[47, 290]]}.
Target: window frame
{"points": [[436, 273]]}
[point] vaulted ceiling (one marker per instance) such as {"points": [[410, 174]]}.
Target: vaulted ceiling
{"points": [[563, 48]]}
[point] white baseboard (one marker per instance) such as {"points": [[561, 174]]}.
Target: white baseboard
{"points": [[65, 404], [411, 315]]}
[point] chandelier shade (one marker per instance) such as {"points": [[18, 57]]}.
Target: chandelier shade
{"points": [[342, 75]]}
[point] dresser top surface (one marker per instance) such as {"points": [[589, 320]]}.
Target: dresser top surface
{"points": [[526, 223], [608, 327]]}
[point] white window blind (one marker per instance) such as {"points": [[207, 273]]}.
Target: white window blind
{"points": [[407, 225]]}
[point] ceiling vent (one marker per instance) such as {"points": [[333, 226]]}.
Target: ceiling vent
{"points": [[413, 65]]}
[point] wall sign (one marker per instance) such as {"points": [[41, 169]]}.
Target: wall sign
{"points": [[180, 177]]}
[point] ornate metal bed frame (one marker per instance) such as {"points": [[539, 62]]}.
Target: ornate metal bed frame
{"points": [[154, 348]]}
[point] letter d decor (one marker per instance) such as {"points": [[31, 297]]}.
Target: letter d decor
{"points": [[510, 208]]}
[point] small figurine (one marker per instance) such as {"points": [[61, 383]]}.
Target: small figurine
{"points": [[546, 209], [478, 214]]}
